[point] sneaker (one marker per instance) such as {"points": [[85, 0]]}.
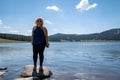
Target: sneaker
{"points": [[40, 68], [34, 68]]}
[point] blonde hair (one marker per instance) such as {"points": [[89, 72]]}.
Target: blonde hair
{"points": [[39, 22]]}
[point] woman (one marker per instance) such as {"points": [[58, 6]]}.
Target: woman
{"points": [[39, 41]]}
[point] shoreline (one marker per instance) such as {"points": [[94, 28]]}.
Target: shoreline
{"points": [[16, 41], [10, 41]]}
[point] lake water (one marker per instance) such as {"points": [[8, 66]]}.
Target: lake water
{"points": [[67, 60]]}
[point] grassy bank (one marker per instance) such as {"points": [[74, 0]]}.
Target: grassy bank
{"points": [[8, 41]]}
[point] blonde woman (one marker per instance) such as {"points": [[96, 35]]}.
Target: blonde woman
{"points": [[39, 41]]}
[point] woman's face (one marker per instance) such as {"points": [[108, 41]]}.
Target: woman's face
{"points": [[39, 22]]}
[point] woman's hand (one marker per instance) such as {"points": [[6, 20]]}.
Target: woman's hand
{"points": [[47, 45]]}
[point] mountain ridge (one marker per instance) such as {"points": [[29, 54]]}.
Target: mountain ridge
{"points": [[112, 34]]}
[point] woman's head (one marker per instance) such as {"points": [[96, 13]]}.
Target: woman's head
{"points": [[39, 22]]}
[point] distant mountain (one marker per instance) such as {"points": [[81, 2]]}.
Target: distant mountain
{"points": [[113, 34]]}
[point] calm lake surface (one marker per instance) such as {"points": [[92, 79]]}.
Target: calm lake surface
{"points": [[67, 60]]}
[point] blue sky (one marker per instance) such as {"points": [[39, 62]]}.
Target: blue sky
{"points": [[60, 16]]}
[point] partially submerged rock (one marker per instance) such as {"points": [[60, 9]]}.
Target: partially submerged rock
{"points": [[29, 78], [2, 73], [28, 72], [3, 68]]}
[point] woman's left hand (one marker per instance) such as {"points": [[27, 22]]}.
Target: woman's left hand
{"points": [[47, 45]]}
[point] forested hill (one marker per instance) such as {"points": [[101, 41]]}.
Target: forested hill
{"points": [[113, 34], [15, 37]]}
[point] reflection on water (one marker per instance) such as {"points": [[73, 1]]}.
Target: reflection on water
{"points": [[67, 60]]}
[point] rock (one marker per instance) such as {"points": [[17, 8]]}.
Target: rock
{"points": [[3, 68], [2, 73], [28, 72], [29, 78]]}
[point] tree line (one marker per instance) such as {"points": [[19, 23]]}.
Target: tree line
{"points": [[15, 37], [113, 34]]}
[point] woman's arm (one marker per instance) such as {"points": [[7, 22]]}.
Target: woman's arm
{"points": [[32, 35], [46, 36]]}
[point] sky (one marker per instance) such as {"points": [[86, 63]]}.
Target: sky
{"points": [[60, 16]]}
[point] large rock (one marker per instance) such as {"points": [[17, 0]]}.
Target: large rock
{"points": [[2, 73], [29, 78], [28, 72]]}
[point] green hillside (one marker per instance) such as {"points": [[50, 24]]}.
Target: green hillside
{"points": [[108, 35]]}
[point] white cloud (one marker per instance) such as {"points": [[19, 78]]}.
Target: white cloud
{"points": [[6, 29], [55, 30], [28, 32], [54, 8], [1, 22], [3, 26], [13, 31], [84, 5], [48, 22]]}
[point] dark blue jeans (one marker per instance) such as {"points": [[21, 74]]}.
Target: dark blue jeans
{"points": [[38, 49]]}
